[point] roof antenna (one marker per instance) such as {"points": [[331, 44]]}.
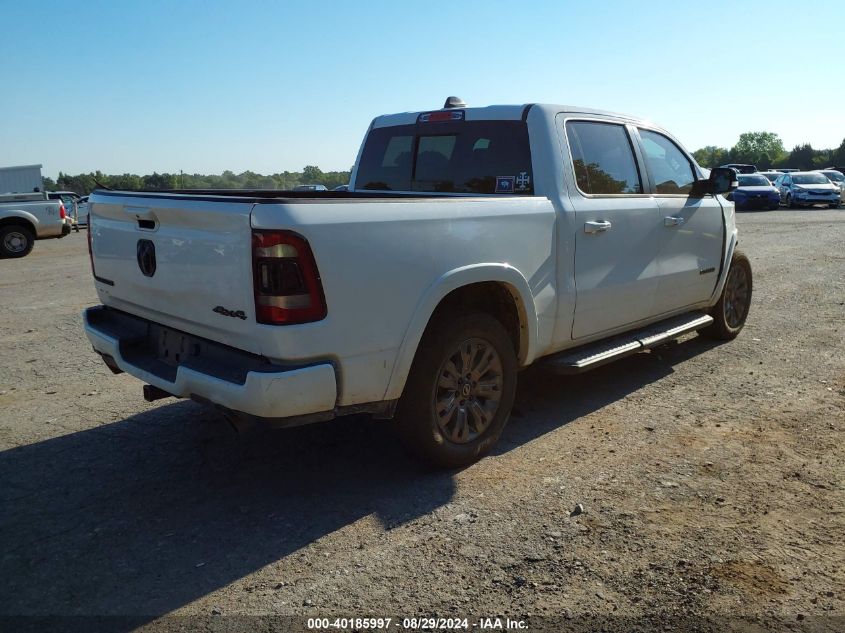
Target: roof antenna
{"points": [[454, 102]]}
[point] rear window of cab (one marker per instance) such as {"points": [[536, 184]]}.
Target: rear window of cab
{"points": [[475, 157]]}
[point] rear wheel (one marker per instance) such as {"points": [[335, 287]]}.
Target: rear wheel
{"points": [[731, 310], [15, 241], [460, 390]]}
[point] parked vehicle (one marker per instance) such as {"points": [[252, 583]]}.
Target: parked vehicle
{"points": [[837, 178], [26, 217], [771, 175], [341, 188], [741, 168], [468, 246], [82, 209], [310, 188], [755, 192], [807, 188], [70, 199]]}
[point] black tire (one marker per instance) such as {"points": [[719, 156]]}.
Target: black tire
{"points": [[790, 202], [15, 241], [731, 310], [468, 405]]}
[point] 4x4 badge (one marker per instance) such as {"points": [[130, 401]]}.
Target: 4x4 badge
{"points": [[238, 314]]}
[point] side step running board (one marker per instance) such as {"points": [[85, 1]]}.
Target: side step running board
{"points": [[594, 355]]}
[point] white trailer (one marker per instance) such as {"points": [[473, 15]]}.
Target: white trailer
{"points": [[21, 179]]}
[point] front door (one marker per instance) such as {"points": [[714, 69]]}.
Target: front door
{"points": [[692, 233], [616, 228]]}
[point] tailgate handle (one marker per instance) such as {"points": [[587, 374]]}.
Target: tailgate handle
{"points": [[145, 217]]}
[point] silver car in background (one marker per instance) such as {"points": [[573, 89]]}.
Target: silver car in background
{"points": [[807, 188]]}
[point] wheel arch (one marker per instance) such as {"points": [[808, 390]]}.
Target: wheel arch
{"points": [[467, 284], [25, 220], [730, 247]]}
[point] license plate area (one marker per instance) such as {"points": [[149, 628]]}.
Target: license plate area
{"points": [[174, 348]]}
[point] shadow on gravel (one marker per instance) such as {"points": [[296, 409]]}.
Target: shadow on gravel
{"points": [[546, 401], [142, 516]]}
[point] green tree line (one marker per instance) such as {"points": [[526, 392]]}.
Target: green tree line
{"points": [[766, 151], [84, 184], [763, 149]]}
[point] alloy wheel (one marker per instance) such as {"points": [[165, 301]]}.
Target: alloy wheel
{"points": [[469, 390], [736, 296]]}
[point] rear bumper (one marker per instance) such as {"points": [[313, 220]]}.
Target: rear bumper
{"points": [[230, 378]]}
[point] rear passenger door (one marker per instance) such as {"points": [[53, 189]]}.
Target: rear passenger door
{"points": [[691, 233], [616, 227]]}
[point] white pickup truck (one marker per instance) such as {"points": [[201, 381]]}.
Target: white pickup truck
{"points": [[26, 217], [473, 242]]}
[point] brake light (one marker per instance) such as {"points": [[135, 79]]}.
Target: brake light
{"points": [[438, 117], [285, 279], [62, 212]]}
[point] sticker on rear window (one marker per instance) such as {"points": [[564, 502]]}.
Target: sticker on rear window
{"points": [[522, 181], [504, 184]]}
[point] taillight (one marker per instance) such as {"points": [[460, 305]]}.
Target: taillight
{"points": [[285, 278], [62, 212]]}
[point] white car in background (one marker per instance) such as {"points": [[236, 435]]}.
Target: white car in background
{"points": [[838, 179]]}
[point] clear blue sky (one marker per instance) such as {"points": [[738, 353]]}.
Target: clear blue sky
{"points": [[271, 86]]}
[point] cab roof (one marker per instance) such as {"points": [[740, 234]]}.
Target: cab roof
{"points": [[502, 113]]}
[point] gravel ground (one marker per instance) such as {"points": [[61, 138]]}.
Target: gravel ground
{"points": [[711, 478]]}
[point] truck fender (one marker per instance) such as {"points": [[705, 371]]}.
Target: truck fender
{"points": [[452, 280], [726, 264], [6, 214]]}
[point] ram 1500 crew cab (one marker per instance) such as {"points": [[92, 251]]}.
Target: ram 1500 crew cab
{"points": [[473, 242]]}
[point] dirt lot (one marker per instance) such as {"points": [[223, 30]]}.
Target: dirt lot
{"points": [[712, 478]]}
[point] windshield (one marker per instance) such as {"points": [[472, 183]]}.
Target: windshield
{"points": [[753, 181], [772, 175], [834, 176], [810, 179]]}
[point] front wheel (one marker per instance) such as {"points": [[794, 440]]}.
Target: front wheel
{"points": [[731, 310], [15, 241], [460, 390]]}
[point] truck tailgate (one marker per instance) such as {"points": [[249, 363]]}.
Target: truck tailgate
{"points": [[183, 261]]}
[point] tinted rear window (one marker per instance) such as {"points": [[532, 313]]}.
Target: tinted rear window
{"points": [[449, 157]]}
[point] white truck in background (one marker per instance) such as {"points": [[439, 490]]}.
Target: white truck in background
{"points": [[26, 212], [473, 242]]}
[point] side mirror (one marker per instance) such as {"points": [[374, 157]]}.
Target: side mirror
{"points": [[721, 180]]}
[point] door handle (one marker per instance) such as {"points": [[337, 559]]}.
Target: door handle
{"points": [[597, 227], [673, 220]]}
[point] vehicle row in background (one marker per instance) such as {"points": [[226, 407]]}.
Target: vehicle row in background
{"points": [[792, 187]]}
